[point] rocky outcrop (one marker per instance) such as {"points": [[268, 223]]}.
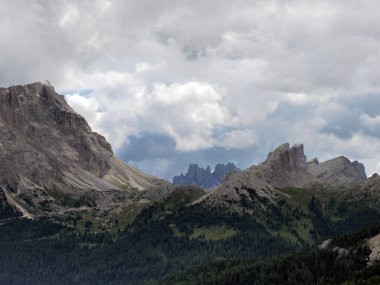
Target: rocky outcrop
{"points": [[338, 171], [49, 155], [255, 188], [313, 161], [204, 177], [374, 246], [286, 167]]}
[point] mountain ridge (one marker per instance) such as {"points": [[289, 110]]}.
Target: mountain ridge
{"points": [[55, 164], [285, 167], [68, 204], [50, 156]]}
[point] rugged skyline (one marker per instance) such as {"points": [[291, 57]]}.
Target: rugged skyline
{"points": [[72, 213], [204, 178], [169, 83]]}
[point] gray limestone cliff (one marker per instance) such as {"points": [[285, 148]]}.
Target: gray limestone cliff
{"points": [[285, 167], [339, 170], [52, 161]]}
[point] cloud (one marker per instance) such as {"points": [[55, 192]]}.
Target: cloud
{"points": [[372, 123], [189, 112], [237, 139], [206, 81], [87, 107], [70, 16]]}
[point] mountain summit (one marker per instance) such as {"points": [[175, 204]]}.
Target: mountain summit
{"points": [[203, 177], [52, 161], [87, 203], [286, 167]]}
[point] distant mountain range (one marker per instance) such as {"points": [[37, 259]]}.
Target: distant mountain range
{"points": [[72, 213], [204, 178]]}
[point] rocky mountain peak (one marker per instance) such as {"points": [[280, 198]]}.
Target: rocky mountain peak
{"points": [[339, 171], [204, 177], [285, 166], [47, 148], [222, 170], [289, 157], [288, 166]]}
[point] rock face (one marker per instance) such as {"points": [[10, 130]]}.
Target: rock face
{"points": [[285, 167], [374, 245], [256, 187], [313, 161], [338, 171], [203, 177], [48, 151]]}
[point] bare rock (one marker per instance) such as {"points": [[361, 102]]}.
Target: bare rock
{"points": [[285, 166], [48, 151], [313, 161], [374, 245], [204, 177], [338, 171]]}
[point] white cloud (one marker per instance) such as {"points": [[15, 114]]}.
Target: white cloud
{"points": [[189, 112], [87, 107], [237, 139], [143, 66], [232, 75], [372, 123], [69, 16]]}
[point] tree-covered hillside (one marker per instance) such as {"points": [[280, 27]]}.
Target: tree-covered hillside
{"points": [[344, 261], [179, 233]]}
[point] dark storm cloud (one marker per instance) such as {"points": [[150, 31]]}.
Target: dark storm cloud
{"points": [[148, 146]]}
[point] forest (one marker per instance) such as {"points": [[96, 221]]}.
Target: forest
{"points": [[170, 243]]}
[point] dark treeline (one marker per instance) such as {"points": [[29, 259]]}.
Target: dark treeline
{"points": [[313, 266], [44, 252], [146, 251]]}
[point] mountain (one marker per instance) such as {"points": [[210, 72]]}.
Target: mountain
{"points": [[72, 213], [285, 167], [288, 166], [52, 162], [338, 171], [204, 177]]}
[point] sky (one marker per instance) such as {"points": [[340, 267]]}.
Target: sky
{"points": [[176, 82]]}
